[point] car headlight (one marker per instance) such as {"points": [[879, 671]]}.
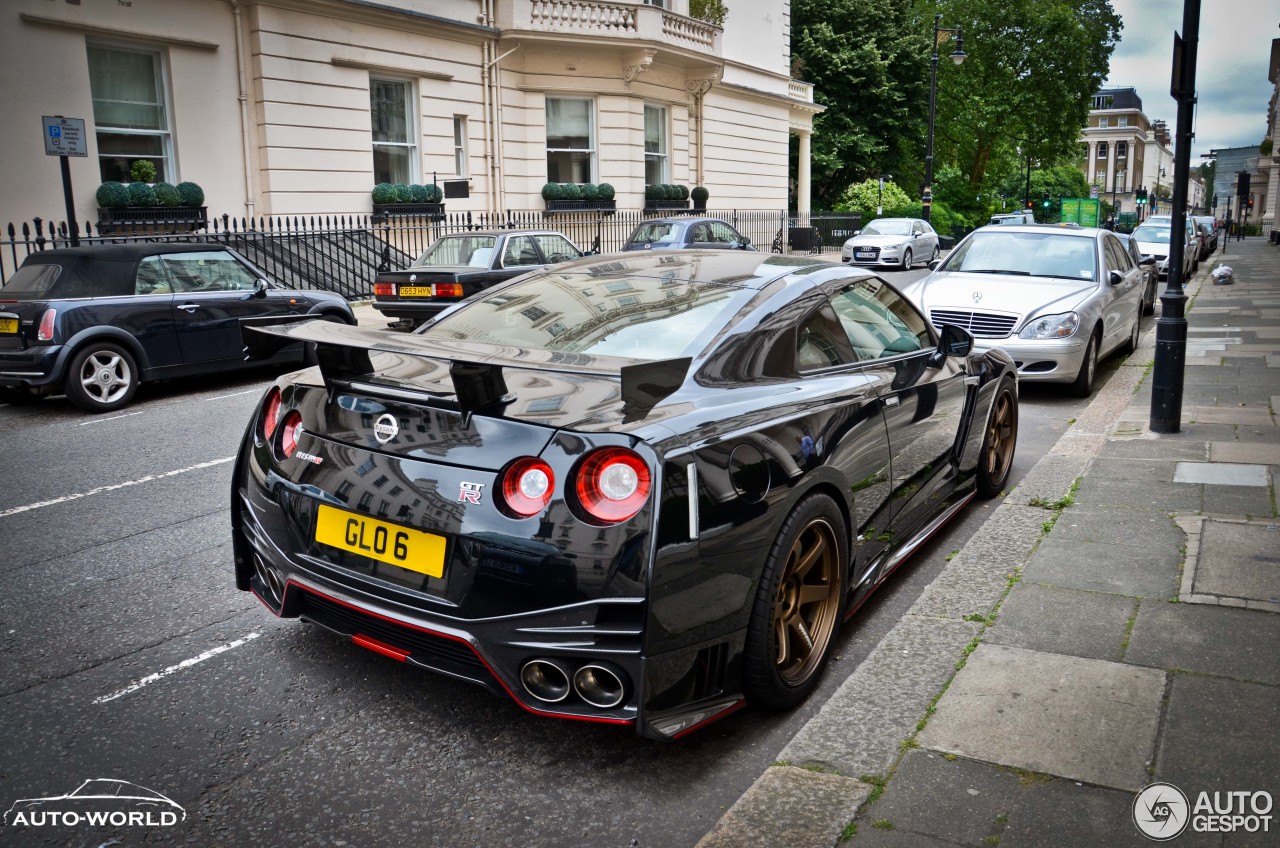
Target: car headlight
{"points": [[1051, 327]]}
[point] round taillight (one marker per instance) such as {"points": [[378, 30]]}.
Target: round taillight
{"points": [[527, 485], [271, 413], [612, 484], [290, 430]]}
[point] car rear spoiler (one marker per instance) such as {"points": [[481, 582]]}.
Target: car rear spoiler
{"points": [[475, 368]]}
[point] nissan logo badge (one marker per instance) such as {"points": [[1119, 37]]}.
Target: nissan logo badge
{"points": [[385, 428]]}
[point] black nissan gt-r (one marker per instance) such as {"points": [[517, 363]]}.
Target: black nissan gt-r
{"points": [[640, 489]]}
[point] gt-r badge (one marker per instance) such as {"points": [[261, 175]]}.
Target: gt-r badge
{"points": [[470, 493], [977, 296], [385, 428]]}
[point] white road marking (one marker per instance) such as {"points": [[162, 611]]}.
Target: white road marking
{"points": [[152, 678], [237, 394], [112, 418], [114, 486]]}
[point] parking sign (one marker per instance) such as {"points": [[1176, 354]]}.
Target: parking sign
{"points": [[64, 136]]}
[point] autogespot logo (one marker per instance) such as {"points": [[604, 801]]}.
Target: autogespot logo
{"points": [[1160, 811], [98, 803]]}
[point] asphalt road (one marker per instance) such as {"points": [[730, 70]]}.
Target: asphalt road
{"points": [[128, 654]]}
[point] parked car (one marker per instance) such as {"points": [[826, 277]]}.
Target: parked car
{"points": [[635, 491], [1021, 216], [1153, 240], [1148, 266], [1211, 226], [892, 241], [457, 266], [1204, 238], [96, 321], [685, 233], [1055, 298]]}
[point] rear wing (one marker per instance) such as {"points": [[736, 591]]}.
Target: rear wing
{"points": [[475, 368]]}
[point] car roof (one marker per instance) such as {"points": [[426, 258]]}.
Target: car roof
{"points": [[683, 220], [739, 268], [473, 233], [1064, 228], [130, 252]]}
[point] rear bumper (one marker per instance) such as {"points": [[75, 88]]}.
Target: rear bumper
{"points": [[34, 367], [417, 312]]}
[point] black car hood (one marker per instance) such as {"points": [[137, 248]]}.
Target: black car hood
{"points": [[574, 391]]}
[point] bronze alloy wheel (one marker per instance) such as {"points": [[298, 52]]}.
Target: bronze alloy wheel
{"points": [[1001, 437], [807, 603]]}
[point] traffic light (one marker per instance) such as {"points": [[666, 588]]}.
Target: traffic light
{"points": [[1140, 196], [1045, 201], [1030, 205]]}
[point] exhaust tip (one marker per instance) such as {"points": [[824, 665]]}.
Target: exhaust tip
{"points": [[269, 578], [545, 680], [599, 685]]}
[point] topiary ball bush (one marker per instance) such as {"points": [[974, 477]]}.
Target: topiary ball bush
{"points": [[590, 191], [113, 196], [605, 191], [699, 194], [551, 191], [670, 192], [167, 195], [384, 193], [404, 194], [192, 195], [572, 191], [651, 192], [684, 192], [142, 171], [419, 193], [141, 194], [434, 194]]}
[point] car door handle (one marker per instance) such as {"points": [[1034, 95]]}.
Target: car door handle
{"points": [[189, 307]]}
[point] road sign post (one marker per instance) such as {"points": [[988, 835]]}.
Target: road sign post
{"points": [[64, 137]]}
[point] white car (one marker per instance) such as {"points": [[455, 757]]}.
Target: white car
{"points": [[898, 242], [1055, 298]]}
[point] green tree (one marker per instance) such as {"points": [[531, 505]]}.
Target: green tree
{"points": [[1025, 86], [868, 62], [865, 196]]}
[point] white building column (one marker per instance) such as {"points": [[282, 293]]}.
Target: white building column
{"points": [[803, 177]]}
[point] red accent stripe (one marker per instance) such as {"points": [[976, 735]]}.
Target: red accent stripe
{"points": [[380, 647], [729, 710], [501, 682], [885, 576]]}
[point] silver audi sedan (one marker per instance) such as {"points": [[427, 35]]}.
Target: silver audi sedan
{"points": [[898, 242], [1056, 298]]}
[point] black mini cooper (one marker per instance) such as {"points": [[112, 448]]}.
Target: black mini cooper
{"points": [[641, 489], [94, 322]]}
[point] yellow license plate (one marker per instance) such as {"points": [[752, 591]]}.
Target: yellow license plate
{"points": [[8, 325], [381, 540], [415, 291]]}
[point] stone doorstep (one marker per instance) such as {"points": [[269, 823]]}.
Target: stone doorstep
{"points": [[1194, 527]]}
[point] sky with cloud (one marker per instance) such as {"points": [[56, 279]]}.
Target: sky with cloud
{"points": [[1231, 66]]}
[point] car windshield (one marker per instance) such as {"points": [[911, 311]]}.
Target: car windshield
{"points": [[1160, 235], [887, 228], [655, 233], [634, 317], [1025, 254], [475, 251]]}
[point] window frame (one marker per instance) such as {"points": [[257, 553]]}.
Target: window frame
{"points": [[1101, 152], [590, 149], [167, 172], [460, 152], [663, 154], [411, 127]]}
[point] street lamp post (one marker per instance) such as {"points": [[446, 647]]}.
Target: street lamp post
{"points": [[957, 56]]}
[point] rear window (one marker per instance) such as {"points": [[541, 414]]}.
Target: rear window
{"points": [[476, 251], [634, 317], [31, 282], [656, 233]]}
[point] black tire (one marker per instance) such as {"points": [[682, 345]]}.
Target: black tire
{"points": [[937, 251], [775, 676], [1082, 386], [102, 377], [906, 259], [1000, 441], [1149, 300], [1134, 335]]}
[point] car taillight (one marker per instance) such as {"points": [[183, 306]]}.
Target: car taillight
{"points": [[526, 486], [271, 415], [45, 331], [290, 430], [447, 290], [612, 484], [384, 289]]}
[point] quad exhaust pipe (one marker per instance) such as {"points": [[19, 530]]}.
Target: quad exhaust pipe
{"points": [[600, 684], [269, 578]]}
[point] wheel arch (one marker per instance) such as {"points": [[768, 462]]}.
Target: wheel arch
{"points": [[113, 335]]}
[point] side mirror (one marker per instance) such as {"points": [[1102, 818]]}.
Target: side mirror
{"points": [[1150, 260], [955, 341], [933, 264], [1116, 278], [746, 242], [857, 233], [260, 288]]}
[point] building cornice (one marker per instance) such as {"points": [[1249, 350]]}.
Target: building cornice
{"points": [[110, 32]]}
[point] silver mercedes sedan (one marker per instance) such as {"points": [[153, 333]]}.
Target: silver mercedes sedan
{"points": [[1056, 298], [898, 242]]}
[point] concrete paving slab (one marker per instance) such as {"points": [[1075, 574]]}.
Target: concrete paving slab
{"points": [[1143, 571], [1224, 641], [1237, 502], [1063, 621], [1220, 735], [1159, 470], [859, 729], [789, 806], [1083, 719], [1154, 446], [1245, 452], [1221, 473], [872, 837], [1169, 497], [1239, 560], [1144, 527], [959, 800], [1061, 813]]}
